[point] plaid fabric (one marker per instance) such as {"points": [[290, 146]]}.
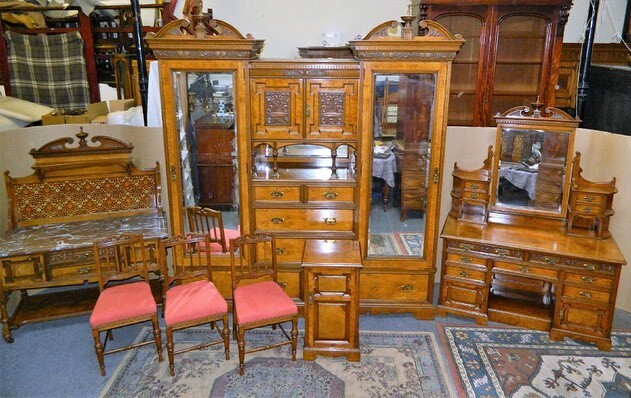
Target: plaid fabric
{"points": [[48, 69]]}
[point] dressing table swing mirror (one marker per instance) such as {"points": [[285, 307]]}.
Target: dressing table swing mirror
{"points": [[526, 241]]}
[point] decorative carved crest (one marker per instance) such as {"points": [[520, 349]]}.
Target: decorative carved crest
{"points": [[61, 146], [202, 37], [395, 41], [538, 114]]}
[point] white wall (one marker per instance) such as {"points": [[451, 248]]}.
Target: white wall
{"points": [[288, 24], [609, 21]]}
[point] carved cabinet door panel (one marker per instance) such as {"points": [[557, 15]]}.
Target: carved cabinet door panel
{"points": [[331, 108], [277, 108]]}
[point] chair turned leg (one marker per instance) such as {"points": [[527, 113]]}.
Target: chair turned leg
{"points": [[225, 334], [156, 336], [170, 351], [98, 348], [241, 344], [294, 337]]}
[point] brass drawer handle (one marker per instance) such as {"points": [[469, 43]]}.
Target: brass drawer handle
{"points": [[466, 260], [474, 196], [83, 271], [277, 220], [407, 288], [277, 194], [587, 209], [465, 274], [475, 186], [330, 195], [589, 266], [588, 198], [330, 220], [501, 252], [587, 279], [280, 251], [466, 247], [585, 294], [524, 270], [283, 285]]}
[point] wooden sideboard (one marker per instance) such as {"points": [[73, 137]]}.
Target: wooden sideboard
{"points": [[304, 146], [538, 278]]}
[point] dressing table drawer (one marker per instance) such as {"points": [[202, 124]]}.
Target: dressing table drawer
{"points": [[304, 219], [277, 193], [526, 270]]}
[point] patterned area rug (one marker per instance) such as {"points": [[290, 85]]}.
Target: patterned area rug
{"points": [[508, 362], [397, 244], [392, 364]]}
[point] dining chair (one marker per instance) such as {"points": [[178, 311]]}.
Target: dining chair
{"points": [[188, 294], [209, 221], [258, 299], [125, 296]]}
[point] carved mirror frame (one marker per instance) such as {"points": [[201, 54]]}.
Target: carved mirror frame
{"points": [[533, 157]]}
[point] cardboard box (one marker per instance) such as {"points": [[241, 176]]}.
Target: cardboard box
{"points": [[94, 110], [120, 105]]}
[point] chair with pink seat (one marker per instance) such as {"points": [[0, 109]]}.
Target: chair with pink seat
{"points": [[190, 298], [258, 299], [125, 296], [209, 221]]}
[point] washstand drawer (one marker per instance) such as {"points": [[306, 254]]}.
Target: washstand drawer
{"points": [[588, 281], [576, 292], [469, 273], [277, 193], [465, 259], [526, 270], [304, 219], [589, 199]]}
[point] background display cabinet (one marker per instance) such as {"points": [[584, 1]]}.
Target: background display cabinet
{"points": [[313, 148], [544, 259], [511, 56]]}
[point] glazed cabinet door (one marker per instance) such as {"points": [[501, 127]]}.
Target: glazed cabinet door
{"points": [[511, 55]]}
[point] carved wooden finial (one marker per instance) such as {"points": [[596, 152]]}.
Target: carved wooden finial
{"points": [[82, 135]]}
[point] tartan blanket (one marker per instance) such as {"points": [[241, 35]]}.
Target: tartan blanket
{"points": [[48, 69]]}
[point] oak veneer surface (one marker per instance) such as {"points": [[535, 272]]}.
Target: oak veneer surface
{"points": [[549, 240]]}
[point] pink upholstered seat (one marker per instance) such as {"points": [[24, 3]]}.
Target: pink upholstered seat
{"points": [[123, 302], [228, 234], [195, 300], [260, 301], [190, 298]]}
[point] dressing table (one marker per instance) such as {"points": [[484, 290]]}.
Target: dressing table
{"points": [[527, 262]]}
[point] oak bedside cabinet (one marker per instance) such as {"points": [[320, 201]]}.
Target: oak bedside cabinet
{"points": [[331, 285]]}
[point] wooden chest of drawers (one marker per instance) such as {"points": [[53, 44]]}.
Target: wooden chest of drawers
{"points": [[540, 279]]}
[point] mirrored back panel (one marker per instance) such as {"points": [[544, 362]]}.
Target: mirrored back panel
{"points": [[207, 135], [402, 135], [531, 168]]}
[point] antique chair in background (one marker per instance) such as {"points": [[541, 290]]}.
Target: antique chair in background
{"points": [[209, 221], [122, 259], [258, 300], [189, 296]]}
